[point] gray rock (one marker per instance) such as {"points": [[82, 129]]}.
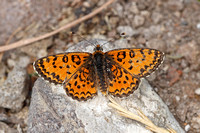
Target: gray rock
{"points": [[157, 43], [14, 90], [36, 49], [133, 8], [190, 51], [138, 21], [2, 73], [19, 61], [152, 31], [197, 91], [51, 110], [128, 30], [175, 5], [156, 17], [6, 129], [198, 26], [119, 9], [145, 13]]}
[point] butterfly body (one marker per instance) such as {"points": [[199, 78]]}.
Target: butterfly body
{"points": [[99, 64], [116, 72]]}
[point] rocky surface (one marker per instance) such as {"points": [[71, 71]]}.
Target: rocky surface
{"points": [[51, 110], [6, 129], [14, 90]]}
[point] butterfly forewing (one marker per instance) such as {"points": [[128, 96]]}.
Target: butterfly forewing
{"points": [[138, 62], [57, 68]]}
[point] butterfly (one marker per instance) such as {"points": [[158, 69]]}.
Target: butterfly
{"points": [[116, 72]]}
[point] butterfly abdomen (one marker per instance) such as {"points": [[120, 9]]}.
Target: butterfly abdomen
{"points": [[99, 64]]}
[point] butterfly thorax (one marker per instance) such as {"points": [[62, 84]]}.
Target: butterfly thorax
{"points": [[99, 58]]}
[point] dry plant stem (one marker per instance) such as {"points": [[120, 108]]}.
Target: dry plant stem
{"points": [[141, 118], [73, 23]]}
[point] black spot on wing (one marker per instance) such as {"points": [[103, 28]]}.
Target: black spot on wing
{"points": [[121, 55], [55, 58], [132, 54], [76, 59], [141, 51], [65, 59], [75, 83], [78, 86], [131, 67]]}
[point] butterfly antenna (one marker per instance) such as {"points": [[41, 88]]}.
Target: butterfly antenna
{"points": [[108, 41], [83, 38]]}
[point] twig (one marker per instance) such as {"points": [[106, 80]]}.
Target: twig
{"points": [[73, 23], [140, 118]]}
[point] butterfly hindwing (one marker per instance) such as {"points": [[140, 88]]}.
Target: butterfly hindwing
{"points": [[138, 62], [82, 85], [57, 68], [121, 82]]}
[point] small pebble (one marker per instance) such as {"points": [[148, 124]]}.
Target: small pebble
{"points": [[183, 22], [129, 31], [198, 75], [197, 91], [156, 17], [187, 127], [156, 89], [198, 26], [138, 21], [11, 63], [177, 98], [41, 53], [134, 8]]}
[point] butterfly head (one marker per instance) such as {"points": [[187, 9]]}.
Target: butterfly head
{"points": [[98, 48]]}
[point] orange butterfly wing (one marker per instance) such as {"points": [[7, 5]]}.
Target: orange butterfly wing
{"points": [[127, 66], [74, 70], [57, 68], [138, 62], [120, 81], [82, 85]]}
